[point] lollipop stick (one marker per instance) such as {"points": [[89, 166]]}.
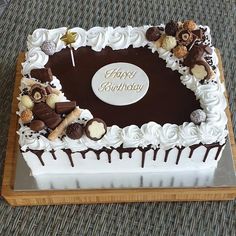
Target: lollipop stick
{"points": [[72, 56]]}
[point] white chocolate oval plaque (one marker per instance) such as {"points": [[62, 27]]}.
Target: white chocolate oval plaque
{"points": [[120, 83]]}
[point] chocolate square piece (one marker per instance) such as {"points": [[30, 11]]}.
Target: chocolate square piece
{"points": [[44, 74]]}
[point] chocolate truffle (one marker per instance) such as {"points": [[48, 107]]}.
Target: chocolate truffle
{"points": [[74, 131], [171, 28], [184, 37], [153, 34], [198, 116], [38, 93]]}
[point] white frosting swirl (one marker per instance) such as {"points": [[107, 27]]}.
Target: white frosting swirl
{"points": [[132, 136], [169, 136], [97, 37], [188, 134], [119, 38], [113, 137], [151, 134], [137, 36], [35, 59]]}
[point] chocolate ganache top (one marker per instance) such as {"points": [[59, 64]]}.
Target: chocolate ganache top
{"points": [[166, 101]]}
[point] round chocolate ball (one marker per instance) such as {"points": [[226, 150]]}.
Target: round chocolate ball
{"points": [[48, 47], [153, 34], [171, 28], [198, 116], [74, 131]]}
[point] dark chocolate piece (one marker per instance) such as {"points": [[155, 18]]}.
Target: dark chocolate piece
{"points": [[153, 34], [198, 33], [95, 129], [195, 54], [65, 107], [44, 74], [47, 114], [74, 131], [171, 28], [37, 125]]}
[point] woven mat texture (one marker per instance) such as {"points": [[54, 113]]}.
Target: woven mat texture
{"points": [[19, 19]]}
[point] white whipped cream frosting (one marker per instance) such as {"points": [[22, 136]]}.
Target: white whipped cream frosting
{"points": [[211, 96]]}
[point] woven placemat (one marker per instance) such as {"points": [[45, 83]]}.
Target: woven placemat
{"points": [[20, 18]]}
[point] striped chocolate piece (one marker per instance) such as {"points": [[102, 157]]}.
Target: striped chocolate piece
{"points": [[43, 112]]}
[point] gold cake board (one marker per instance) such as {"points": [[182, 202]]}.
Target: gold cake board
{"points": [[24, 198]]}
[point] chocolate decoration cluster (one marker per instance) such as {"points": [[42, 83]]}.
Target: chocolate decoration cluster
{"points": [[186, 41]]}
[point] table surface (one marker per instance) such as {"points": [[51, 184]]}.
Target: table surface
{"points": [[19, 19]]}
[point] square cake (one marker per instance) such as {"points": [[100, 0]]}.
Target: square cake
{"points": [[131, 100]]}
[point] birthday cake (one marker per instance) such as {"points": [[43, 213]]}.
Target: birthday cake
{"points": [[132, 99]]}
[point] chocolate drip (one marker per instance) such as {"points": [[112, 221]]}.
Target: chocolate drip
{"points": [[155, 151], [39, 154], [53, 154], [166, 154], [209, 147], [143, 158], [143, 151], [180, 149], [130, 151], [109, 151], [69, 154], [120, 155], [192, 148], [218, 151], [83, 153]]}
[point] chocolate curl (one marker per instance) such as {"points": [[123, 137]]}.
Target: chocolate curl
{"points": [[75, 114]]}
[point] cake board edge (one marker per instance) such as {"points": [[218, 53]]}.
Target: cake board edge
{"points": [[59, 197]]}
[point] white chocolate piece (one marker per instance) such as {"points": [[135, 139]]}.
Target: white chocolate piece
{"points": [[52, 99], [168, 43], [199, 71], [96, 130], [26, 102], [69, 119]]}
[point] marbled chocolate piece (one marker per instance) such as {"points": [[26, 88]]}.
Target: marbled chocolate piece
{"points": [[47, 114]]}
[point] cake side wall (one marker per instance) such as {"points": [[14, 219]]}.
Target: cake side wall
{"points": [[127, 162]]}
